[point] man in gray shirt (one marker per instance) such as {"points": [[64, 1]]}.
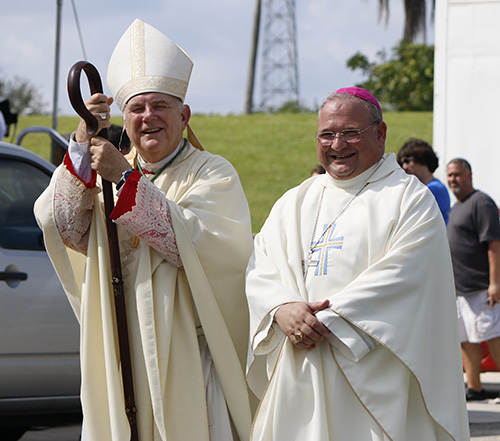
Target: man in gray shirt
{"points": [[474, 237]]}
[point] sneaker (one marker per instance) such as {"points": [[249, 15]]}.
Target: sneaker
{"points": [[474, 395]]}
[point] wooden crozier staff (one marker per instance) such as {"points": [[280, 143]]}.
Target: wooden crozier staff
{"points": [[78, 104]]}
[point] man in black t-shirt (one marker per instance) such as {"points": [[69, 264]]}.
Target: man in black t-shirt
{"points": [[474, 237]]}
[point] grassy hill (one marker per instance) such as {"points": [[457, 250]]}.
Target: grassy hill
{"points": [[271, 153]]}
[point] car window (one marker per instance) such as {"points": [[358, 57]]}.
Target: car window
{"points": [[20, 185]]}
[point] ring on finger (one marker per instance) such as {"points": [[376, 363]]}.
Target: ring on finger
{"points": [[299, 336], [103, 115]]}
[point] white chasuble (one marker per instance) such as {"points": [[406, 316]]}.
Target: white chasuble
{"points": [[391, 367], [165, 304]]}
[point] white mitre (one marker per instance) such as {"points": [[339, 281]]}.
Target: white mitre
{"points": [[145, 60]]}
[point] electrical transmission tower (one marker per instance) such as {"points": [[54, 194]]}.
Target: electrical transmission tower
{"points": [[280, 74], [279, 67]]}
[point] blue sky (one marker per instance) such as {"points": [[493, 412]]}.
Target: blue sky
{"points": [[216, 34]]}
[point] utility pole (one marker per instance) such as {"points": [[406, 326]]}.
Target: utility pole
{"points": [[56, 65], [253, 58], [56, 151]]}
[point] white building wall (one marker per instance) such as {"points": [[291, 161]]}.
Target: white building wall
{"points": [[467, 89]]}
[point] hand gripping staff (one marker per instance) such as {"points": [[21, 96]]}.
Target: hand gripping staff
{"points": [[76, 100]]}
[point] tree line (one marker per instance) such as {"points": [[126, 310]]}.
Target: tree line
{"points": [[23, 96]]}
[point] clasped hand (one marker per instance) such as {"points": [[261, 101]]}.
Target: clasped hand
{"points": [[298, 321]]}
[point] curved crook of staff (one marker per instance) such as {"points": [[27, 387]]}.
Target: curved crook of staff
{"points": [[78, 104]]}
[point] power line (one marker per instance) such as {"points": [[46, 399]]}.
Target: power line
{"points": [[79, 30]]}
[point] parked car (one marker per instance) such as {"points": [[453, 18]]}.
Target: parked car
{"points": [[39, 334]]}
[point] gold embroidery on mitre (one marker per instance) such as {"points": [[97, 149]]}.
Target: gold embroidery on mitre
{"points": [[151, 84], [137, 42]]}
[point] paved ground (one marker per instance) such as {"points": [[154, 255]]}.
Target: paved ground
{"points": [[484, 419]]}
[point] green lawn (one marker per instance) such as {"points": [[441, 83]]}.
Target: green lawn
{"points": [[271, 153]]}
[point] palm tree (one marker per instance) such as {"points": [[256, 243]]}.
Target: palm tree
{"points": [[415, 15]]}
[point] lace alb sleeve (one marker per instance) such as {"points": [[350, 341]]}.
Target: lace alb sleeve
{"points": [[149, 219], [73, 204]]}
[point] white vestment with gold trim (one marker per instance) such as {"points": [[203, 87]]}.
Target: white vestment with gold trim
{"points": [[211, 221], [391, 369]]}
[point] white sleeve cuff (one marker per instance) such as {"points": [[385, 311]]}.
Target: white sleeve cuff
{"points": [[269, 335], [79, 154], [347, 338]]}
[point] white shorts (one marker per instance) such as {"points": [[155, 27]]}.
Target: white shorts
{"points": [[477, 322]]}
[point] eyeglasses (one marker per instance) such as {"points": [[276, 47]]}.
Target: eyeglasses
{"points": [[349, 135], [406, 160]]}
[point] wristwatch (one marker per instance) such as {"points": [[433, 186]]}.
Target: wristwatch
{"points": [[124, 177]]}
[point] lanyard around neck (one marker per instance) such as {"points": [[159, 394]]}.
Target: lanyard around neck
{"points": [[166, 165]]}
